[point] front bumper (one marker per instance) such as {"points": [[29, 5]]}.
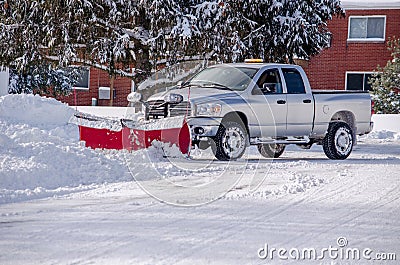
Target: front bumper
{"points": [[204, 126]]}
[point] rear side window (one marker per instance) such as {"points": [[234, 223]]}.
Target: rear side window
{"points": [[294, 81]]}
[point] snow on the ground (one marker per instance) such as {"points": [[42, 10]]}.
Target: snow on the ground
{"points": [[40, 153], [104, 111], [62, 203], [37, 111]]}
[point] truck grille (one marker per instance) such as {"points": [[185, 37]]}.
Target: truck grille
{"points": [[157, 109], [179, 109], [160, 109]]}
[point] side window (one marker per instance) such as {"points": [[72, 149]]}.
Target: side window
{"points": [[269, 83], [294, 81]]}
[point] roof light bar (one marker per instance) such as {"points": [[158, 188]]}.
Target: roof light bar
{"points": [[254, 61]]}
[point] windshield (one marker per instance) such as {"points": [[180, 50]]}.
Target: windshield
{"points": [[224, 77]]}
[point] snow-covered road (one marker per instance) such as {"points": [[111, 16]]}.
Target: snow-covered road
{"points": [[297, 204], [306, 203]]}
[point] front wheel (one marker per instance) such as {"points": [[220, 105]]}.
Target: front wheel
{"points": [[230, 142], [271, 150], [338, 142]]}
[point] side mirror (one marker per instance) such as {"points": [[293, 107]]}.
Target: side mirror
{"points": [[134, 97], [179, 84], [269, 87]]}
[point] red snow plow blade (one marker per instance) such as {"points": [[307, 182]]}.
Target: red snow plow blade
{"points": [[132, 135]]}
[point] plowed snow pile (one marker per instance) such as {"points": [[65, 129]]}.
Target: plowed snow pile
{"points": [[40, 154]]}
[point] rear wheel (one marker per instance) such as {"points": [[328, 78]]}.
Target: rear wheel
{"points": [[338, 142], [230, 142], [271, 150]]}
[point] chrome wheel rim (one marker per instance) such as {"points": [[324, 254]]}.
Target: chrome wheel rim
{"points": [[233, 142], [343, 141]]}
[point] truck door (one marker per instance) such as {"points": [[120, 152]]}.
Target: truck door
{"points": [[268, 103], [300, 107]]}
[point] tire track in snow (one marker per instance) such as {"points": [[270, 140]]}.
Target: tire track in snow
{"points": [[390, 197]]}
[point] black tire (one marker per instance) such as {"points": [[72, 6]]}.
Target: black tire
{"points": [[271, 150], [223, 149], [338, 142]]}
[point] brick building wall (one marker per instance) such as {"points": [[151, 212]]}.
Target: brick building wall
{"points": [[99, 78], [328, 69]]}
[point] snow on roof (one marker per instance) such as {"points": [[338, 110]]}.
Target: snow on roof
{"points": [[371, 4]]}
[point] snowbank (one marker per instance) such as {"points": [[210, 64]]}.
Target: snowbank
{"points": [[34, 110], [386, 127], [388, 122], [40, 153]]}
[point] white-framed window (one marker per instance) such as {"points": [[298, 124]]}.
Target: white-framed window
{"points": [[358, 81], [84, 83], [367, 28]]}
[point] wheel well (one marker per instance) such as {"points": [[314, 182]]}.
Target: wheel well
{"points": [[233, 116], [347, 117]]}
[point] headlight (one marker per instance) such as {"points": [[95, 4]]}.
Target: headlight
{"points": [[173, 98], [208, 109]]}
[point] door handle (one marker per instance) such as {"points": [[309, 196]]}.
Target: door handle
{"points": [[307, 101], [281, 102]]}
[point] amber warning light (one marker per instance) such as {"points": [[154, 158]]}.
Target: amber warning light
{"points": [[253, 61]]}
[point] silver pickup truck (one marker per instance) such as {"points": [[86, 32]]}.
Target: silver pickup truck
{"points": [[232, 106]]}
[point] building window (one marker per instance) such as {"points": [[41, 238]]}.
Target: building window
{"points": [[358, 81], [367, 28], [83, 83]]}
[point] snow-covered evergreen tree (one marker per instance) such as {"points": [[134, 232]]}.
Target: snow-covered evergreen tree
{"points": [[38, 34], [44, 80], [65, 33], [275, 30], [115, 35], [386, 83]]}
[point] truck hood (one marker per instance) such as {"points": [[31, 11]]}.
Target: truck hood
{"points": [[198, 94]]}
